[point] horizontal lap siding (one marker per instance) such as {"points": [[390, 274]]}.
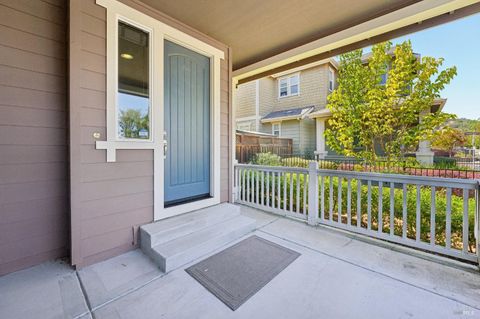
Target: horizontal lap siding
{"points": [[33, 133], [110, 200]]}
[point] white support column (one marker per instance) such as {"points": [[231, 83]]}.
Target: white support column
{"points": [[312, 193], [424, 154], [320, 138]]}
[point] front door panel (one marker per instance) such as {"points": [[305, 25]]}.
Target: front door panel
{"points": [[187, 124]]}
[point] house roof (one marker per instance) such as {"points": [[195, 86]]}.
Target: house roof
{"points": [[290, 114], [322, 113]]}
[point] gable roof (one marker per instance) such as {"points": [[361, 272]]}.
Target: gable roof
{"points": [[290, 114]]}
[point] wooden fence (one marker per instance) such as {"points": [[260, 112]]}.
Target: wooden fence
{"points": [[249, 144]]}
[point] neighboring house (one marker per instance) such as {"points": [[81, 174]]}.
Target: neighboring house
{"points": [[280, 104], [293, 104]]}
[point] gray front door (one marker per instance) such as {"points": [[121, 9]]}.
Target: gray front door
{"points": [[187, 124]]}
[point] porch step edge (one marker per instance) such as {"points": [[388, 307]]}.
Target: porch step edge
{"points": [[180, 251]]}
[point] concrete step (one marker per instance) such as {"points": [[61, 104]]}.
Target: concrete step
{"points": [[181, 250], [169, 229]]}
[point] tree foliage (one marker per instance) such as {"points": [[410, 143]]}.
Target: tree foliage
{"points": [[448, 138], [370, 118], [131, 122]]}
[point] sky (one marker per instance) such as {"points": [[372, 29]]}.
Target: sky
{"points": [[458, 43]]}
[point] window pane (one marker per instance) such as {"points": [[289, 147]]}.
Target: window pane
{"points": [[294, 89], [294, 80], [331, 80], [283, 87], [276, 129], [133, 83]]}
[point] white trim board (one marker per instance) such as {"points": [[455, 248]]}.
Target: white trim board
{"points": [[159, 32]]}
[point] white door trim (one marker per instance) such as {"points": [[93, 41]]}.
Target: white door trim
{"points": [[160, 32]]}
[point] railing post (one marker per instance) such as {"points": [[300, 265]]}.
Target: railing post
{"points": [[312, 193]]}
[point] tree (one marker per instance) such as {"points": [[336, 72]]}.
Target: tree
{"points": [[371, 117], [131, 122], [448, 138]]}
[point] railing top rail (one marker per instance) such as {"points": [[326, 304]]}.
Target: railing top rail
{"points": [[407, 179], [274, 168]]}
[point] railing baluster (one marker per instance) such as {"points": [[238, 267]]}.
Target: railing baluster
{"points": [[305, 192], [257, 190], [268, 190], [279, 188], [369, 205], [262, 199], [330, 198], [297, 208], [339, 195], [432, 216], [284, 191], [248, 185], [252, 185], [380, 207], [273, 188], [392, 208], [322, 203], [404, 212], [349, 201], [237, 184], [418, 215], [291, 192], [448, 215], [465, 220], [359, 203], [240, 183]]}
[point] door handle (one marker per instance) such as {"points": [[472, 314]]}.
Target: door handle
{"points": [[165, 148]]}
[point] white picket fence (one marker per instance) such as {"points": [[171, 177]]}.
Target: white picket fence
{"points": [[385, 206]]}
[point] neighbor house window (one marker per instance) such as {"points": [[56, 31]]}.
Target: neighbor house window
{"points": [[289, 86], [276, 129], [133, 91], [331, 79]]}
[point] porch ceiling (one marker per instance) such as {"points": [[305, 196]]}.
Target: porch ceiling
{"points": [[257, 30]]}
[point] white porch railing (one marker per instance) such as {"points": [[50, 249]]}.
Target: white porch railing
{"points": [[438, 215]]}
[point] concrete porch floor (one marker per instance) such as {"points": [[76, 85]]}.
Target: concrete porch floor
{"points": [[336, 276]]}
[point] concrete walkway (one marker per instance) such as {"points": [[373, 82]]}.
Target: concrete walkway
{"points": [[336, 276]]}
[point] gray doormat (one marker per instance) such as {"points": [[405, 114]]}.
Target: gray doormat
{"points": [[238, 272]]}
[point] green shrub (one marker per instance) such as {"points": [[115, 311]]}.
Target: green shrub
{"points": [[295, 162], [267, 159]]}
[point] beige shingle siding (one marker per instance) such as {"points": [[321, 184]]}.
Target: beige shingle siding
{"points": [[313, 90], [248, 125], [245, 100], [291, 129], [307, 133], [267, 96]]}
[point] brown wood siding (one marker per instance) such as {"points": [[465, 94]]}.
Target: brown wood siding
{"points": [[110, 200], [33, 133]]}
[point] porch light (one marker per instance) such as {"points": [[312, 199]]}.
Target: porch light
{"points": [[126, 56]]}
